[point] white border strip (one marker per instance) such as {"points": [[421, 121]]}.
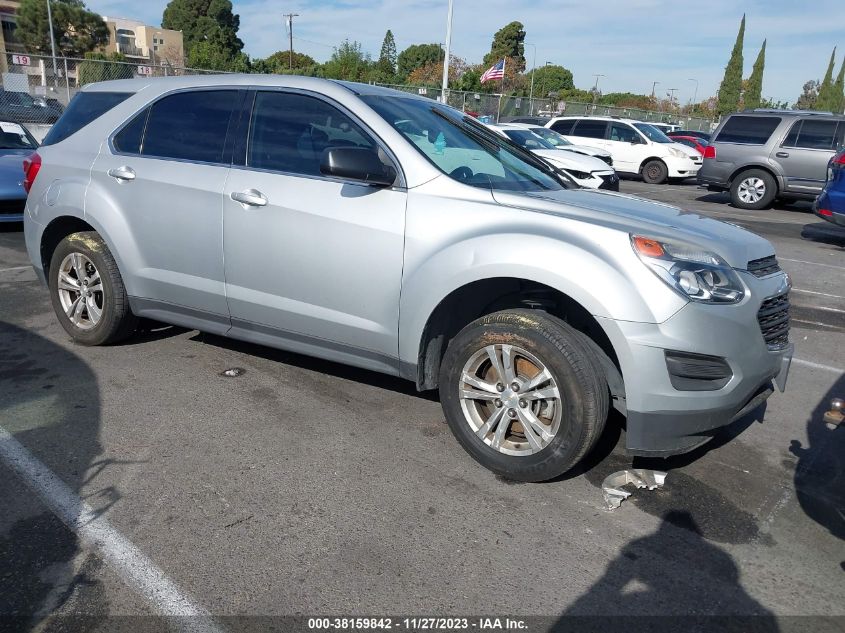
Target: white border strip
{"points": [[97, 534], [806, 363]]}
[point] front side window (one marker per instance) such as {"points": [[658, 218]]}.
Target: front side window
{"points": [[462, 148], [528, 140], [551, 136], [590, 129], [749, 130], [623, 133], [289, 132], [190, 125]]}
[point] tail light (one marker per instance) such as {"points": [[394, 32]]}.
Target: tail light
{"points": [[31, 166], [839, 159], [827, 213], [709, 152]]}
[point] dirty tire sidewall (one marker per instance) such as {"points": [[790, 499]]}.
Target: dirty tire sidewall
{"points": [[768, 197], [655, 172], [578, 375], [117, 321]]}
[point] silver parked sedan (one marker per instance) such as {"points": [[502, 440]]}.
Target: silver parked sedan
{"points": [[388, 231]]}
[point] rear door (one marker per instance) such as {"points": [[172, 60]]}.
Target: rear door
{"points": [[592, 132], [163, 173], [806, 151]]}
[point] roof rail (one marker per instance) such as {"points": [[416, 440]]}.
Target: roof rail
{"points": [[784, 111]]}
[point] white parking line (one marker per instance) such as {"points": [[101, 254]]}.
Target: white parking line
{"points": [[97, 534], [8, 270], [801, 261], [806, 363], [821, 294]]}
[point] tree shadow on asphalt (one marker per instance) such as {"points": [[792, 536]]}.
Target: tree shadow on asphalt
{"points": [[330, 368], [820, 472], [50, 404], [671, 580]]}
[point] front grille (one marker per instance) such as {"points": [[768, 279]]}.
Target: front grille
{"points": [[764, 266], [773, 317], [12, 207], [610, 182], [608, 159]]}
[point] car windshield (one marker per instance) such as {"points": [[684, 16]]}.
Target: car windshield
{"points": [[551, 136], [462, 148], [14, 136], [653, 133], [528, 140]]}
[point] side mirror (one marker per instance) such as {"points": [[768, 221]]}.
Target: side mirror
{"points": [[357, 163]]}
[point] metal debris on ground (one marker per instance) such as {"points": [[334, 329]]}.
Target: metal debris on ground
{"points": [[835, 416], [233, 372], [614, 495]]}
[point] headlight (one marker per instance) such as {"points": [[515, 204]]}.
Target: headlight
{"points": [[693, 272], [580, 175], [677, 153]]}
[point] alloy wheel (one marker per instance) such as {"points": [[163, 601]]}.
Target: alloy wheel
{"points": [[751, 190], [81, 291]]}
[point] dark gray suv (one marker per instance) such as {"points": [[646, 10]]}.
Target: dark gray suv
{"points": [[761, 155]]}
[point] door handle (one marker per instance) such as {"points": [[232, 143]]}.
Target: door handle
{"points": [[249, 198], [122, 173], [782, 154]]}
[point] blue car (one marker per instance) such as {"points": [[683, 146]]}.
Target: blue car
{"points": [[830, 205], [16, 143]]}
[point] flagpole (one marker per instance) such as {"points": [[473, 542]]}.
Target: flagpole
{"points": [[499, 107]]}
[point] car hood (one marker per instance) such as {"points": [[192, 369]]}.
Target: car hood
{"points": [[572, 160], [686, 149], [11, 172], [585, 149], [644, 217]]}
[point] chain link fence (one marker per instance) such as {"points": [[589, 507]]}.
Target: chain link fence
{"points": [[506, 107], [36, 89]]}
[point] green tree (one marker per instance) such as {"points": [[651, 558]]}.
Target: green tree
{"points": [[754, 90], [809, 96], [348, 62], [416, 56], [76, 29], [210, 21], [827, 96], [279, 63], [101, 67], [839, 89], [508, 41], [551, 78], [210, 55], [386, 63], [729, 91]]}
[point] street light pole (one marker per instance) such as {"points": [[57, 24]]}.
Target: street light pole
{"points": [[671, 94], [695, 94], [653, 86], [596, 90], [52, 38], [445, 85], [531, 91]]}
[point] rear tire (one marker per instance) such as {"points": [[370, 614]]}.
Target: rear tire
{"points": [[753, 189], [562, 396], [655, 172], [87, 291]]}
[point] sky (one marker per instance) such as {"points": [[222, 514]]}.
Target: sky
{"points": [[631, 42]]}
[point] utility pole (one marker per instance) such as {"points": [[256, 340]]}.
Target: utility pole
{"points": [[52, 39], [290, 17], [653, 85], [596, 91], [695, 94], [444, 88], [671, 95]]}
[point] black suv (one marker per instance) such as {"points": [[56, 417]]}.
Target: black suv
{"points": [[760, 155]]}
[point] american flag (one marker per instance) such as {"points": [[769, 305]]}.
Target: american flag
{"points": [[494, 72]]}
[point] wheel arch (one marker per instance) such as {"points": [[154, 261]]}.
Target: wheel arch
{"points": [[57, 230], [767, 168], [645, 161]]}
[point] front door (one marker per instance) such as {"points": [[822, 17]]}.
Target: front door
{"points": [[806, 151], [627, 146], [311, 261], [164, 176]]}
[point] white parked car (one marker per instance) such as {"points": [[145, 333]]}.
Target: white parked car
{"points": [[561, 142], [587, 171], [666, 127], [637, 148]]}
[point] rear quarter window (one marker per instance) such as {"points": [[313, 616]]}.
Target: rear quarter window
{"points": [[749, 130], [564, 126], [82, 110]]}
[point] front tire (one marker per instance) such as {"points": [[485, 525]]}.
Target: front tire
{"points": [[523, 394], [87, 291], [753, 189], [655, 172]]}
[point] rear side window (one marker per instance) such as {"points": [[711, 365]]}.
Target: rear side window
{"points": [[751, 130], [564, 126], [190, 125], [590, 129], [83, 108], [813, 134]]}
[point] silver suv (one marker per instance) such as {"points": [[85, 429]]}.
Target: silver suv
{"points": [[387, 231], [761, 155]]}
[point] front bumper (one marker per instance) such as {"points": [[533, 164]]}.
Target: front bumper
{"points": [[681, 167], [663, 420]]}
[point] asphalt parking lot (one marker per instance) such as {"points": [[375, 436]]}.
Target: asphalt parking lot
{"points": [[306, 487]]}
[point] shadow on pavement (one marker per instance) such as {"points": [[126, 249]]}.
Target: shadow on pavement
{"points": [[50, 404], [820, 472], [674, 574], [824, 232]]}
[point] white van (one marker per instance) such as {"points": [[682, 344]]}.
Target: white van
{"points": [[637, 147]]}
